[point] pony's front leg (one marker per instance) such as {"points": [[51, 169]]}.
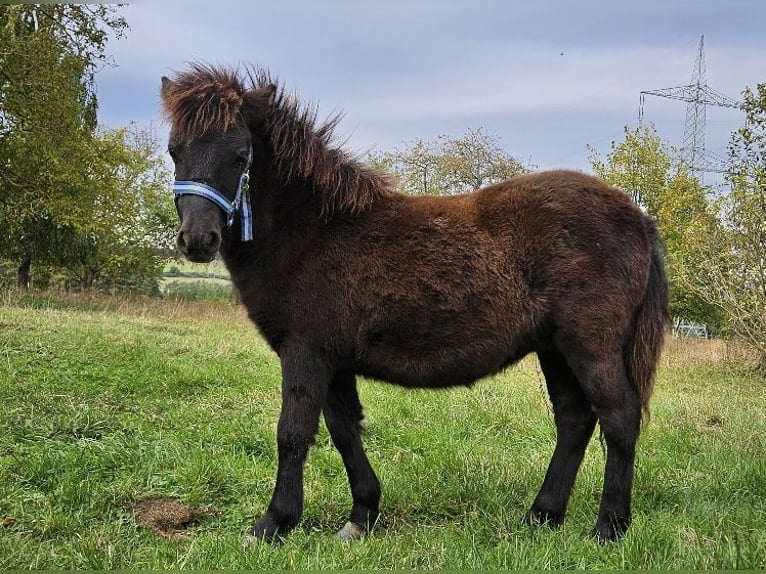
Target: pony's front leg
{"points": [[305, 378], [343, 415]]}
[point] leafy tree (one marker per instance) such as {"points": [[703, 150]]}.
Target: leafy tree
{"points": [[118, 247], [656, 178], [44, 139], [78, 32], [734, 259], [70, 197], [450, 166], [639, 165], [474, 161], [417, 167]]}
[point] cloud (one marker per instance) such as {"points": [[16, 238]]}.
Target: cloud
{"points": [[552, 73]]}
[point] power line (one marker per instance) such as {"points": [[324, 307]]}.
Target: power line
{"points": [[697, 95]]}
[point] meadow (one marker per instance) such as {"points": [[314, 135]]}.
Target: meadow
{"points": [[109, 404]]}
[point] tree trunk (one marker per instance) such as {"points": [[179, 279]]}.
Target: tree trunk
{"points": [[23, 273]]}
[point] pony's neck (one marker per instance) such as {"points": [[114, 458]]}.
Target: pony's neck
{"points": [[281, 212], [301, 151]]}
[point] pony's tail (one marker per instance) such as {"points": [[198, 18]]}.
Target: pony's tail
{"points": [[642, 352]]}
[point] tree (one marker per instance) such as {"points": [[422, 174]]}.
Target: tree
{"points": [[44, 139], [639, 165], [119, 247], [474, 161], [417, 167], [734, 259], [77, 32], [450, 166], [63, 185], [656, 179], [104, 226]]}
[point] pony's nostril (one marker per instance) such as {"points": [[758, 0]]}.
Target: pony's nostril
{"points": [[213, 238], [181, 241]]}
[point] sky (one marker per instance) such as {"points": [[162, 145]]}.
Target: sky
{"points": [[547, 78]]}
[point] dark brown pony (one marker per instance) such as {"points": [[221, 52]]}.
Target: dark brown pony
{"points": [[345, 277]]}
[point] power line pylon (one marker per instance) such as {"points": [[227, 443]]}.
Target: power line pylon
{"points": [[697, 96]]}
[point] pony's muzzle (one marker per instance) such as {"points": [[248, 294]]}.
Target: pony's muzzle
{"points": [[201, 226], [198, 247]]}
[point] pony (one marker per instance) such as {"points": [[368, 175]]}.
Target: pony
{"points": [[345, 277]]}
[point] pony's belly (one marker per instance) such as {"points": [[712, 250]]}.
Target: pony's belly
{"points": [[444, 347], [447, 366]]}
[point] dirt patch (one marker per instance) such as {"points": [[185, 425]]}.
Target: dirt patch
{"points": [[714, 421], [168, 517]]}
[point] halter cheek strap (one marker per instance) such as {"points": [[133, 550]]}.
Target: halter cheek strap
{"points": [[241, 201]]}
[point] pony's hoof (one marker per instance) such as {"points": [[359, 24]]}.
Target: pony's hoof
{"points": [[538, 517], [350, 531], [252, 541], [266, 530], [612, 530]]}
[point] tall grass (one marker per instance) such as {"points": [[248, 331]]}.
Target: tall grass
{"points": [[199, 290], [108, 401]]}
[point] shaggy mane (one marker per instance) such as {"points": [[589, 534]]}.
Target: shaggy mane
{"points": [[201, 99], [208, 97]]}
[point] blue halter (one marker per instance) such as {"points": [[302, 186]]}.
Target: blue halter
{"points": [[241, 199]]}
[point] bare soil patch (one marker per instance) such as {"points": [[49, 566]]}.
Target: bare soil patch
{"points": [[168, 517]]}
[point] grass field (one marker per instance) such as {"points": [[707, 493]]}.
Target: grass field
{"points": [[196, 281], [107, 403]]}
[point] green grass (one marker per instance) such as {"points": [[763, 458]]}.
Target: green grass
{"points": [[196, 282], [107, 401], [197, 289]]}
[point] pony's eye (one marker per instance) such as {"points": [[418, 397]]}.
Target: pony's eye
{"points": [[172, 153]]}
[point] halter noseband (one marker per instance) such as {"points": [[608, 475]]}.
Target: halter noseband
{"points": [[241, 199]]}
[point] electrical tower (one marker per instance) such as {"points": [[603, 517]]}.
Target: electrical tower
{"points": [[697, 96]]}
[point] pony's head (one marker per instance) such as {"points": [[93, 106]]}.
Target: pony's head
{"points": [[212, 118]]}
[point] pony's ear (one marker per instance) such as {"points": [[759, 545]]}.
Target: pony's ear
{"points": [[167, 83], [265, 95], [259, 102]]}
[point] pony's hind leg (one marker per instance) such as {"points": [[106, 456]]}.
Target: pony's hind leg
{"points": [[618, 408], [343, 415], [574, 421]]}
